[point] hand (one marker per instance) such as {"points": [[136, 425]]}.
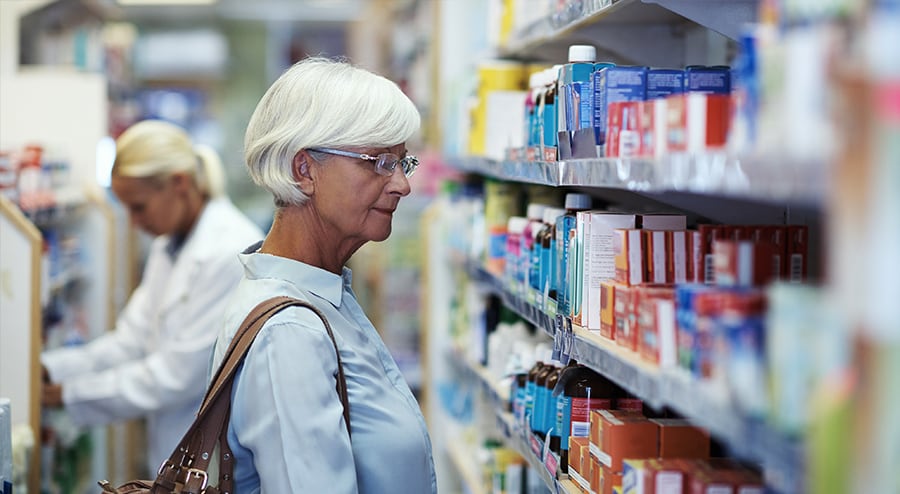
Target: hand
{"points": [[51, 395]]}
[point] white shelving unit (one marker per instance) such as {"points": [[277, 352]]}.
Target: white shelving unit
{"points": [[659, 33]]}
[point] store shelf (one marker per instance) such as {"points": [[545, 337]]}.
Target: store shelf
{"points": [[640, 31], [754, 177], [744, 437]]}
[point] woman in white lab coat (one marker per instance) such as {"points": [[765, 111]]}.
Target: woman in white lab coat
{"points": [[154, 363]]}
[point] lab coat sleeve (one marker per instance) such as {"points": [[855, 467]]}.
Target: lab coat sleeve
{"points": [[172, 374], [125, 343], [287, 412]]}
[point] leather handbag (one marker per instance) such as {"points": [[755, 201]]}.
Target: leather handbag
{"points": [[186, 470]]}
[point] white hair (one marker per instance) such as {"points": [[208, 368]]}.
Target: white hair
{"points": [[155, 149], [319, 102]]}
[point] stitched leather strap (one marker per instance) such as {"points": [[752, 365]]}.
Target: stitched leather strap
{"points": [[189, 463]]}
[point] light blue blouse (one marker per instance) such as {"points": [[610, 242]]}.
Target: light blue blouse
{"points": [[287, 431]]}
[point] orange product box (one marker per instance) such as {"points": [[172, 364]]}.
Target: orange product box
{"points": [[706, 481], [679, 438], [629, 249], [708, 118], [677, 249], [609, 480], [655, 252], [607, 309], [653, 476], [622, 313], [797, 253], [579, 460], [596, 422], [626, 436], [653, 127], [596, 475], [656, 324]]}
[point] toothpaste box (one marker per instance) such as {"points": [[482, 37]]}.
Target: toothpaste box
{"points": [[612, 84]]}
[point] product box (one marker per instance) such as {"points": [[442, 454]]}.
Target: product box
{"points": [[607, 310], [777, 236], [579, 268], [623, 130], [608, 481], [677, 255], [596, 476], [625, 435], [596, 423], [655, 252], [797, 251], [679, 438], [622, 316], [613, 84], [662, 221], [579, 460], [600, 260], [743, 263], [652, 126], [708, 121], [705, 268], [656, 338], [664, 82], [629, 249], [653, 476], [708, 80]]}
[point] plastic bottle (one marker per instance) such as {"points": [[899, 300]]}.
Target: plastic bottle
{"points": [[547, 236], [535, 215], [539, 418], [565, 234], [530, 389]]}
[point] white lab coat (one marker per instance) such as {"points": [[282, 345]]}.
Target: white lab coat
{"points": [[154, 363]]}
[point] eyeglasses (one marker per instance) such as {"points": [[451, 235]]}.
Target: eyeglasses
{"points": [[385, 163]]}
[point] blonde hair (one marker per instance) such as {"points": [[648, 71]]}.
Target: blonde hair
{"points": [[320, 102], [156, 149]]}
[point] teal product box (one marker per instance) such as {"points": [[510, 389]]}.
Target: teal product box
{"points": [[707, 80], [664, 82], [613, 84]]}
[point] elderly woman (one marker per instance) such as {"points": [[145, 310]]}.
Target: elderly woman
{"points": [[328, 141], [154, 363]]}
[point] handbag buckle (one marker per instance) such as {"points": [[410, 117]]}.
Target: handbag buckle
{"points": [[200, 474]]}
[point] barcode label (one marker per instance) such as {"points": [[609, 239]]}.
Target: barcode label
{"points": [[709, 273], [581, 429], [796, 268]]}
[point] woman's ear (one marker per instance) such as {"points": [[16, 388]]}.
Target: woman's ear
{"points": [[301, 171]]}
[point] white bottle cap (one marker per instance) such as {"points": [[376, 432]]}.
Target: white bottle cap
{"points": [[535, 211], [550, 214], [582, 53], [516, 225], [578, 201]]}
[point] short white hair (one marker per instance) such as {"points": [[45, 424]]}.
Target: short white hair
{"points": [[320, 102]]}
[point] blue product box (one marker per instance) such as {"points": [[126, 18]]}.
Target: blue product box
{"points": [[708, 80], [571, 75], [612, 84], [664, 82]]}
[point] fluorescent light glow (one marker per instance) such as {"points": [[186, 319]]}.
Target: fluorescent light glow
{"points": [[166, 2]]}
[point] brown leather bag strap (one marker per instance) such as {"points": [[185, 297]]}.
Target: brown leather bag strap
{"points": [[189, 462]]}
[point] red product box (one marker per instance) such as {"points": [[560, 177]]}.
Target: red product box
{"points": [[708, 118], [607, 309], [653, 476], [608, 481], [653, 127], [655, 252], [679, 438], [777, 236], [677, 246], [704, 265], [656, 324], [622, 314], [625, 435], [797, 253], [629, 250], [623, 129], [743, 263]]}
